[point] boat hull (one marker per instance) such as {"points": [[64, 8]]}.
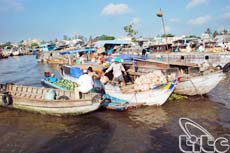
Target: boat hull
{"points": [[57, 111], [152, 97], [199, 85], [32, 99]]}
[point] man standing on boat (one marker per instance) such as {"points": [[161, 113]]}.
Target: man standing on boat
{"points": [[117, 68]]}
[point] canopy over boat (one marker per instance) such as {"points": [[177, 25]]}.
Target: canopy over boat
{"points": [[87, 50], [102, 43]]}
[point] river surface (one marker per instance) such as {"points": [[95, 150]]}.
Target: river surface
{"points": [[142, 130]]}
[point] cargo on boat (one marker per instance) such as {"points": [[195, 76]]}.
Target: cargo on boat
{"points": [[35, 100]]}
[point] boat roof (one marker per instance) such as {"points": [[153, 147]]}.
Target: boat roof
{"points": [[47, 44], [78, 51], [101, 43]]}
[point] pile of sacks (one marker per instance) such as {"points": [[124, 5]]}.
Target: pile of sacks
{"points": [[150, 80]]}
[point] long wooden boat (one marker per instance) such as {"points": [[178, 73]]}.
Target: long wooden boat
{"points": [[157, 96], [33, 99], [193, 84], [199, 85]]}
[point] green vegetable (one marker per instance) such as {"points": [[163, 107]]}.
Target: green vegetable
{"points": [[175, 97], [66, 84]]}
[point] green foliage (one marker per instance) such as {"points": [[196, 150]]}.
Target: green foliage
{"points": [[167, 35], [215, 33], [192, 36], [90, 38], [130, 31], [7, 44], [34, 45], [175, 97], [224, 32], [104, 37], [65, 37], [208, 31]]}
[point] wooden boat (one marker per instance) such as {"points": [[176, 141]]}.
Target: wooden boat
{"points": [[156, 96], [56, 61], [192, 82], [15, 53], [33, 99], [199, 85]]}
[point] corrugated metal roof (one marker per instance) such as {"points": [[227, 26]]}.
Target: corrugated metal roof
{"points": [[114, 42]]}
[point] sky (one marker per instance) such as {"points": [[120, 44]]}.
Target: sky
{"points": [[51, 19]]}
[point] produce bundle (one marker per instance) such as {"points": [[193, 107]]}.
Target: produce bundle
{"points": [[69, 85], [150, 80]]}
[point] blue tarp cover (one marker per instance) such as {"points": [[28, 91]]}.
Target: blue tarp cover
{"points": [[78, 51]]}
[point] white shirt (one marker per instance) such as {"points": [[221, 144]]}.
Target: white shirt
{"points": [[117, 69], [201, 48], [85, 82]]}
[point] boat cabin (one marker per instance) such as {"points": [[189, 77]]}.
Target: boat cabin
{"points": [[47, 47]]}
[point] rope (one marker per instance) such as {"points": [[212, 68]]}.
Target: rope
{"points": [[195, 87]]}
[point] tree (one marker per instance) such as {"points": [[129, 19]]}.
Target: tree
{"points": [[130, 31], [90, 38], [167, 35], [7, 44], [208, 31], [65, 37], [215, 33], [43, 42], [104, 37], [225, 32], [192, 36], [34, 45]]}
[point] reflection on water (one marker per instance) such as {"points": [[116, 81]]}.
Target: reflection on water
{"points": [[221, 93], [147, 129], [153, 117]]}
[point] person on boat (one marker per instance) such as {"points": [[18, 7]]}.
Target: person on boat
{"points": [[188, 48], [52, 78], [117, 68], [98, 86], [101, 58], [91, 73], [201, 48], [110, 51], [85, 82]]}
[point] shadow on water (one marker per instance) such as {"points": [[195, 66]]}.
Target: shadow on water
{"points": [[142, 130], [33, 133]]}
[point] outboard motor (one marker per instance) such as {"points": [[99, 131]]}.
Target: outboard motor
{"points": [[226, 68]]}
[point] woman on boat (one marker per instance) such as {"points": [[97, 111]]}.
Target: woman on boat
{"points": [[91, 73], [101, 58], [117, 68]]}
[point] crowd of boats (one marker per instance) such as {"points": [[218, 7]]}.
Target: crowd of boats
{"points": [[181, 78], [14, 51]]}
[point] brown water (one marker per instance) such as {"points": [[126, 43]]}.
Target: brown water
{"points": [[143, 130]]}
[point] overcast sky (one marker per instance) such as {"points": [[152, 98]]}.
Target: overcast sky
{"points": [[50, 19]]}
